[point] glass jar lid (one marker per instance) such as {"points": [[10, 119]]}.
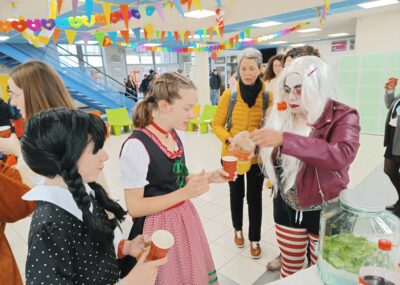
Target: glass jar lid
{"points": [[366, 201]]}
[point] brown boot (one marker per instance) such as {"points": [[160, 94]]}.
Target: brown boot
{"points": [[239, 240], [255, 249], [275, 264]]}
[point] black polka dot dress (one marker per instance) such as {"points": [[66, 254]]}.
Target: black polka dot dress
{"points": [[60, 250]]}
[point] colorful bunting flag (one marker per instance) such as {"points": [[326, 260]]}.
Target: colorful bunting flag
{"points": [[125, 14], [89, 9], [160, 10], [125, 35], [107, 11], [59, 4], [56, 35], [74, 6], [100, 37], [70, 34]]}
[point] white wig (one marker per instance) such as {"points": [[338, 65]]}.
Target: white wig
{"points": [[316, 89]]}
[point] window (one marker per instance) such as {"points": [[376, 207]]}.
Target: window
{"points": [[67, 49], [69, 61], [146, 58], [91, 50], [96, 61], [133, 59]]}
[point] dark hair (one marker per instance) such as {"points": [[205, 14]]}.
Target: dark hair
{"points": [[233, 72], [53, 142], [167, 88], [269, 73], [301, 51]]}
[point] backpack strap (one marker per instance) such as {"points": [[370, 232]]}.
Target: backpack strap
{"points": [[232, 102]]}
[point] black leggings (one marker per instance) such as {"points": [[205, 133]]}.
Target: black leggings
{"points": [[255, 181], [391, 168]]}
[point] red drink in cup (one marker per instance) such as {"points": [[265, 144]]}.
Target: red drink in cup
{"points": [[229, 163], [5, 131], [161, 242]]}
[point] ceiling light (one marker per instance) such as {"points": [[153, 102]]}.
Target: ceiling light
{"points": [[245, 40], [379, 3], [278, 42], [11, 19], [338, 35], [151, 45], [267, 24], [199, 14], [81, 42], [198, 37], [4, 38], [310, 30], [297, 45]]}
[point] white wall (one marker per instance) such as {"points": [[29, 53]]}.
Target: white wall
{"points": [[378, 33], [201, 78]]}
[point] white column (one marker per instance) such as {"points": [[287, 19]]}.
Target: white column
{"points": [[201, 78]]}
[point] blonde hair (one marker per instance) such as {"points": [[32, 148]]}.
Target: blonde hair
{"points": [[166, 88], [43, 88]]}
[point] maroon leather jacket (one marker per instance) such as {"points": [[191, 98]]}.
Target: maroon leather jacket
{"points": [[327, 154]]}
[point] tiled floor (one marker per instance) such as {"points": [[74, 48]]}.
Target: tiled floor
{"points": [[203, 152]]}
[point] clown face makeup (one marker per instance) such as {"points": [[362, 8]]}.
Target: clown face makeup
{"points": [[292, 92]]}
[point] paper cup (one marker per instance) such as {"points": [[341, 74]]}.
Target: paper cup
{"points": [[229, 163], [243, 166], [5, 131], [161, 242]]}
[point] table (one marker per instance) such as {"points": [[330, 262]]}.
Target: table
{"points": [[307, 276]]}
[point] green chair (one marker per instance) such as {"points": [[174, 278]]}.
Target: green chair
{"points": [[118, 118], [205, 119]]}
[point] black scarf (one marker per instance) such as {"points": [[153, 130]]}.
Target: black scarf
{"points": [[249, 93]]}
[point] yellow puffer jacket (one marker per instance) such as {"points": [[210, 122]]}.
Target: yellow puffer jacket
{"points": [[243, 117]]}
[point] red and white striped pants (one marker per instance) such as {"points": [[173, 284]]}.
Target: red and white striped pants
{"points": [[293, 244]]}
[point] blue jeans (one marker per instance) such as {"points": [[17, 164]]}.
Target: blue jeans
{"points": [[214, 96]]}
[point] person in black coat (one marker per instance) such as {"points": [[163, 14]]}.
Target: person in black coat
{"points": [[5, 114], [131, 89]]}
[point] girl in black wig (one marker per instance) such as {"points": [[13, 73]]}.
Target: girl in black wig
{"points": [[71, 238]]}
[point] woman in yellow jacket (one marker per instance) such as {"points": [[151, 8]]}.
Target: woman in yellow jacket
{"points": [[247, 115]]}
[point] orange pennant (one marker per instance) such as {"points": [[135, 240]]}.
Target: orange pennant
{"points": [[125, 35], [107, 42], [210, 32], [59, 4], [176, 34], [187, 34], [125, 14], [56, 35], [162, 35]]}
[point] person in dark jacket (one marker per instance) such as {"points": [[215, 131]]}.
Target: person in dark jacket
{"points": [[392, 140], [307, 147], [131, 90], [144, 84], [215, 85]]}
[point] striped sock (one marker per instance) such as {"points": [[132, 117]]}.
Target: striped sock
{"points": [[293, 245]]}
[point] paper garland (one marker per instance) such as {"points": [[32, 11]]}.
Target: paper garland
{"points": [[232, 43]]}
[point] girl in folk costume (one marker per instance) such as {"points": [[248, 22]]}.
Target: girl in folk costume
{"points": [[72, 240], [158, 187], [307, 146]]}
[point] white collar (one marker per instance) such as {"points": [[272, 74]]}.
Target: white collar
{"points": [[58, 196]]}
